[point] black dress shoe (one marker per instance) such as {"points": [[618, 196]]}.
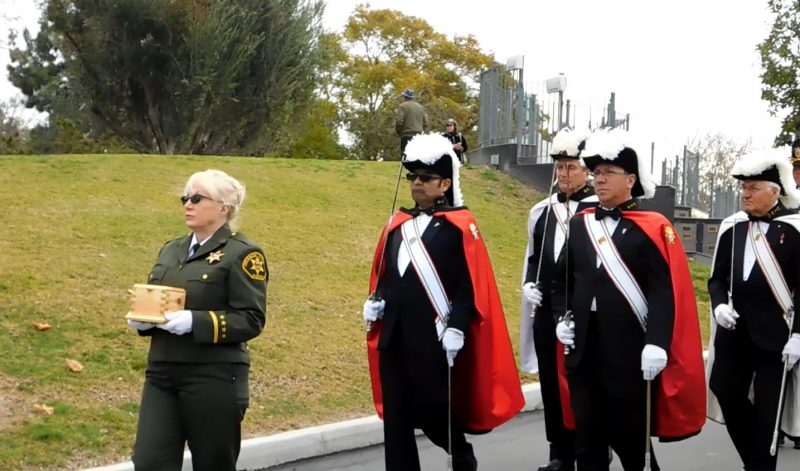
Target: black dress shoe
{"points": [[556, 465]]}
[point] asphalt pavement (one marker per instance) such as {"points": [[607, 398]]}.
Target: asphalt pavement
{"points": [[520, 445]]}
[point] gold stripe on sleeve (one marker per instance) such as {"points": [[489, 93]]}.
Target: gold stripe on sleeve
{"points": [[215, 322]]}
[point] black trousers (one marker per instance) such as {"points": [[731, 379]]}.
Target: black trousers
{"points": [[738, 363], [202, 404], [609, 402], [415, 396], [561, 440]]}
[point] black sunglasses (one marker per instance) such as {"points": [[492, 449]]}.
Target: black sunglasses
{"points": [[424, 178], [195, 198]]}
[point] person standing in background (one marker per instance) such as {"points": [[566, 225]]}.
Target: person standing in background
{"points": [[458, 140], [410, 119]]}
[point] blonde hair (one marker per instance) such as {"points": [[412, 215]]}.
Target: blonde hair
{"points": [[222, 188]]}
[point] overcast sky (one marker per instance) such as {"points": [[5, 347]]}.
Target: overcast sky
{"points": [[680, 68]]}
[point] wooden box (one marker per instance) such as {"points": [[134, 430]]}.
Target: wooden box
{"points": [[149, 303]]}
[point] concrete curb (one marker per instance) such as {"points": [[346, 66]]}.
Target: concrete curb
{"points": [[322, 440]]}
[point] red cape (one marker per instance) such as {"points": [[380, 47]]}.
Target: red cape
{"points": [[679, 392], [486, 386]]}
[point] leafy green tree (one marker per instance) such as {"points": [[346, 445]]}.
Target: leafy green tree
{"points": [[314, 129], [13, 135], [174, 76], [780, 63], [388, 52]]}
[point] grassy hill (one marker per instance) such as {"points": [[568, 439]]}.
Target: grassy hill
{"points": [[78, 231]]}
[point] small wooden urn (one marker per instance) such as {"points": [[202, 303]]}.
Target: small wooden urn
{"points": [[149, 303]]}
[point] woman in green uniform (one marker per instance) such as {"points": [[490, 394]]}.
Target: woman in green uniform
{"points": [[196, 384]]}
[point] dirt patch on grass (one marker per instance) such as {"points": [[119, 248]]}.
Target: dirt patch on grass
{"points": [[13, 403]]}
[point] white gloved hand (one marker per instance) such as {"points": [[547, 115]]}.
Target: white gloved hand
{"points": [[373, 309], [565, 332], [726, 316], [654, 359], [140, 325], [532, 294], [452, 342], [178, 322], [791, 351]]}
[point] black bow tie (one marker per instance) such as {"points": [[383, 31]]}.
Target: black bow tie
{"points": [[562, 197], [764, 218], [417, 211], [600, 213]]}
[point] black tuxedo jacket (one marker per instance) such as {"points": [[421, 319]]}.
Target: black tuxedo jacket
{"points": [[408, 319], [617, 334], [549, 262], [753, 300]]}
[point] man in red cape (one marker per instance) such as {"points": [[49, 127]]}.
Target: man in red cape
{"points": [[633, 318], [410, 345]]}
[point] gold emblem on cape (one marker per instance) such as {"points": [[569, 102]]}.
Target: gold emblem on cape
{"points": [[474, 230], [255, 266], [214, 257], [602, 240], [670, 235]]}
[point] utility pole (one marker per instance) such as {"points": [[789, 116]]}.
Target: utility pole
{"points": [[612, 112]]}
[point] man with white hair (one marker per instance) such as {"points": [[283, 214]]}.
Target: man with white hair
{"points": [[753, 289], [547, 234], [629, 318]]}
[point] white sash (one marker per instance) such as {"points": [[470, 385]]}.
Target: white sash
{"points": [[769, 266], [616, 268], [427, 273]]}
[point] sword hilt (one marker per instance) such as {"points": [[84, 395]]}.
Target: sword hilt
{"points": [[567, 318]]}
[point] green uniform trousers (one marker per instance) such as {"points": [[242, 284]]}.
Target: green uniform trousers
{"points": [[202, 404]]}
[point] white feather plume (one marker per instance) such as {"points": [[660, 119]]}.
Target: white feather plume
{"points": [[761, 160], [567, 141]]}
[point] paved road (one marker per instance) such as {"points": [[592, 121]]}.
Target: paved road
{"points": [[520, 445]]}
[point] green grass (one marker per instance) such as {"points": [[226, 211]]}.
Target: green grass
{"points": [[78, 231]]}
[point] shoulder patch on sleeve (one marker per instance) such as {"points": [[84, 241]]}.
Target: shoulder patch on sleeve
{"points": [[255, 266]]}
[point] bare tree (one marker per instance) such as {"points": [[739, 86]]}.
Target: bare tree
{"points": [[717, 153]]}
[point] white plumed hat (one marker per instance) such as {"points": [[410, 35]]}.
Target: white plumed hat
{"points": [[769, 165], [435, 152], [614, 147]]}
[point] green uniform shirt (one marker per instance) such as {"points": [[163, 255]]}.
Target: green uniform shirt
{"points": [[226, 290]]}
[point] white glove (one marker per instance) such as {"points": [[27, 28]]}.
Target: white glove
{"points": [[452, 342], [140, 325], [654, 359], [726, 316], [792, 351], [532, 294], [178, 322], [565, 332], [373, 310]]}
